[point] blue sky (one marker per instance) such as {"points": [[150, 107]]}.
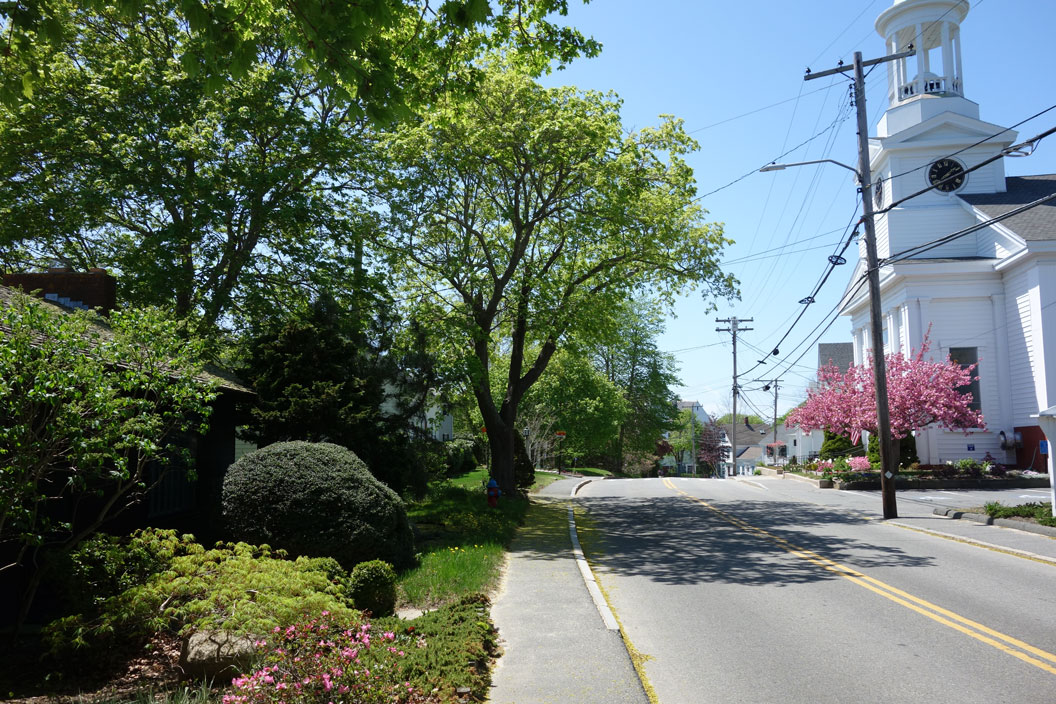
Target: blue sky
{"points": [[734, 72]]}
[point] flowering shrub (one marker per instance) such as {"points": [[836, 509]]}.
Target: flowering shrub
{"points": [[324, 660], [859, 464], [823, 466]]}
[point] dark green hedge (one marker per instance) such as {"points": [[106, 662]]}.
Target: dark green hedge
{"points": [[319, 500]]}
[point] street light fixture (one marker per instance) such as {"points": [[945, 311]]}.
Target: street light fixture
{"points": [[782, 167]]}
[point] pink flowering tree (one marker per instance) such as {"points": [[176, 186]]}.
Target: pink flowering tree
{"points": [[919, 392]]}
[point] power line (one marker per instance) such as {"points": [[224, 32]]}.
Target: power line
{"points": [[780, 156], [757, 110]]}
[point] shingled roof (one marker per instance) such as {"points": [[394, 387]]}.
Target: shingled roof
{"points": [[224, 379], [1034, 225]]}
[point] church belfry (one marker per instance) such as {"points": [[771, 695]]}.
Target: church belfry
{"points": [[933, 28]]}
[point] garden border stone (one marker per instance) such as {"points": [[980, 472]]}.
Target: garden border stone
{"points": [[214, 654]]}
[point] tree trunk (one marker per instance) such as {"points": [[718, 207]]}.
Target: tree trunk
{"points": [[502, 450]]}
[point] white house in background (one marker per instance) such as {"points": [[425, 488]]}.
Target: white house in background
{"points": [[702, 418], [806, 446], [986, 291], [751, 445]]}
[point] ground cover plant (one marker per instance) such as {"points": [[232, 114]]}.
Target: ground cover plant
{"points": [[1037, 512], [438, 657]]}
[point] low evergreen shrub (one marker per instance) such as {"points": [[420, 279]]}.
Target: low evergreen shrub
{"points": [[233, 587], [372, 587], [318, 500], [105, 565]]}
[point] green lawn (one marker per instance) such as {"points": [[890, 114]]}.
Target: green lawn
{"points": [[460, 541]]}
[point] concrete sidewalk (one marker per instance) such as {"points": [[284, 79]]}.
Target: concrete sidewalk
{"points": [[556, 646]]}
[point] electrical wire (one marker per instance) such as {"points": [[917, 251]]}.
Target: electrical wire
{"points": [[757, 110], [779, 156]]}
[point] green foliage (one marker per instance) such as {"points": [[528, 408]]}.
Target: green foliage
{"points": [[334, 374], [629, 356], [1041, 511], [540, 213], [379, 57], [372, 587], [574, 396], [385, 660], [754, 420], [461, 542], [834, 446], [907, 451], [460, 456], [104, 566], [234, 587], [84, 408], [316, 499]]}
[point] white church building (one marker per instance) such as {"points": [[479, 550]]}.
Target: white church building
{"points": [[960, 259]]}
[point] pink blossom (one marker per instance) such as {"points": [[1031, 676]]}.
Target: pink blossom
{"points": [[919, 392]]}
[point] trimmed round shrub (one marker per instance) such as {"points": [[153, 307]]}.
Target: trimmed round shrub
{"points": [[316, 499], [373, 587]]}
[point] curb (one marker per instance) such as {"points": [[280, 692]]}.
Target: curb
{"points": [[1002, 522], [589, 579]]}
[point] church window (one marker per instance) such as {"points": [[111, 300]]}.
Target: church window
{"points": [[966, 356]]}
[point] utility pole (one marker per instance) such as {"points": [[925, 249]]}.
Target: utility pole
{"points": [[888, 459], [765, 388], [693, 436], [734, 323]]}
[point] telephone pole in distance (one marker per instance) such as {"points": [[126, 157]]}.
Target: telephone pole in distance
{"points": [[734, 328]]}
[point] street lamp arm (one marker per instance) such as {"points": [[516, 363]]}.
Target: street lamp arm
{"points": [[782, 167]]}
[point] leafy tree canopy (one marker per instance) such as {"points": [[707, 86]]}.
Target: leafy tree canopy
{"points": [[522, 215], [364, 51]]}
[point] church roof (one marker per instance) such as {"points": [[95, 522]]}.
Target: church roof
{"points": [[1036, 224]]}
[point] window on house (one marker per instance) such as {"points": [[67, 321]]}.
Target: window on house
{"points": [[966, 356]]}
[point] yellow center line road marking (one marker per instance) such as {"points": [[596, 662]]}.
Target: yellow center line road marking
{"points": [[984, 634]]}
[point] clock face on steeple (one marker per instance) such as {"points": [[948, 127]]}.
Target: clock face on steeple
{"points": [[946, 175]]}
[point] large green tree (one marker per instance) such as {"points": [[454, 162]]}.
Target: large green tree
{"points": [[201, 201], [365, 50], [630, 358], [520, 216], [220, 200], [572, 396]]}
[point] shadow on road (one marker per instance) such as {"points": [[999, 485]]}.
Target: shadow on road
{"points": [[674, 541]]}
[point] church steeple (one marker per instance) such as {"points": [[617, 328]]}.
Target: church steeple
{"points": [[933, 29]]}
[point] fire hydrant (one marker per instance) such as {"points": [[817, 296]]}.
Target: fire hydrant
{"points": [[494, 493]]}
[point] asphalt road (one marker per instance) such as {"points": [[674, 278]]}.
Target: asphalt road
{"points": [[763, 591]]}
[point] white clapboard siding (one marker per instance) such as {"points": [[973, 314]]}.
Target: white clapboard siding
{"points": [[921, 225], [1019, 330]]}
